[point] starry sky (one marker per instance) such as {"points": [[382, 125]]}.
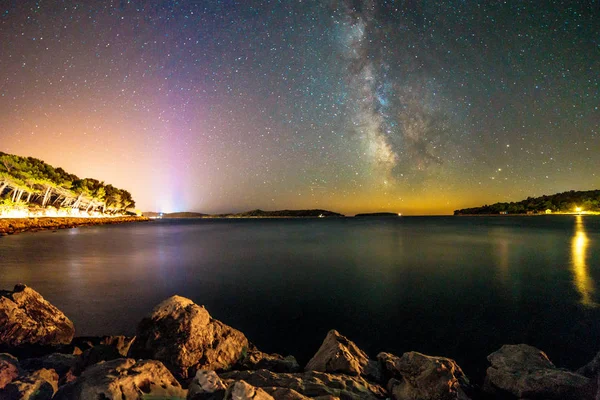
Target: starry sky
{"points": [[417, 107]]}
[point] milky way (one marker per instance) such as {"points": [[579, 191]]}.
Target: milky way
{"points": [[414, 107], [401, 128]]}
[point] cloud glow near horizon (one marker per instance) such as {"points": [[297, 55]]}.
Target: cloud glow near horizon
{"points": [[353, 106]]}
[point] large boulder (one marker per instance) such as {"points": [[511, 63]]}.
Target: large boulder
{"points": [[123, 378], [311, 384], [9, 369], [241, 390], [39, 385], [27, 319], [416, 376], [185, 338], [524, 371], [338, 354]]}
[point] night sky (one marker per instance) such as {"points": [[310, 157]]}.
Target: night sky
{"points": [[418, 107]]}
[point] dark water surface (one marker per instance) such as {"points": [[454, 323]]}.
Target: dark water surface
{"points": [[452, 286]]}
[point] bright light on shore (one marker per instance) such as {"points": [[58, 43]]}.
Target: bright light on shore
{"points": [[52, 212], [15, 213], [578, 210]]}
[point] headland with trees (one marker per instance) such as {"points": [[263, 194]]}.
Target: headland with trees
{"points": [[571, 202], [31, 187]]}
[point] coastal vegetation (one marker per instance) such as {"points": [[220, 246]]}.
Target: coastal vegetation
{"points": [[29, 185], [566, 202]]}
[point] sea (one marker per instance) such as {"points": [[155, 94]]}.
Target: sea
{"points": [[458, 287]]}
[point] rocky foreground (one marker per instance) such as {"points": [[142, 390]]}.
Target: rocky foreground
{"points": [[181, 352], [11, 226]]}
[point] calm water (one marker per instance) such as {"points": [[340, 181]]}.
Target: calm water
{"points": [[459, 287]]}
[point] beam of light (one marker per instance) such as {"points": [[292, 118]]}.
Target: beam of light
{"points": [[583, 282]]}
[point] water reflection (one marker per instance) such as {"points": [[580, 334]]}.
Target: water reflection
{"points": [[583, 282], [502, 259]]}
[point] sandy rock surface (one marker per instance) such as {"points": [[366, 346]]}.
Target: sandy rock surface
{"points": [[26, 318], [183, 336]]}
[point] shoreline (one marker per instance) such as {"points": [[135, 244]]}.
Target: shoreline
{"points": [[12, 226], [508, 215], [181, 352]]}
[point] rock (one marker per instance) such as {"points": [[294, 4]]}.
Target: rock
{"points": [[94, 356], [82, 343], [520, 357], [338, 354], [591, 369], [120, 343], [27, 319], [123, 378], [61, 363], [418, 376], [185, 338], [206, 385], [40, 385], [526, 372], [255, 359], [9, 369], [287, 394], [242, 391], [310, 383]]}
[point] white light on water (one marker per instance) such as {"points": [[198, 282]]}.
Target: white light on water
{"points": [[583, 281]]}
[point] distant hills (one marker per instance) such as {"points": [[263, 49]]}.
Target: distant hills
{"points": [[378, 214], [152, 214], [565, 202], [249, 214]]}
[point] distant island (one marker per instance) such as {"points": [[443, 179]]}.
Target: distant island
{"points": [[249, 214], [378, 214], [566, 202], [153, 214], [29, 187]]}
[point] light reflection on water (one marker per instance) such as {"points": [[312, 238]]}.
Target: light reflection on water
{"points": [[584, 284], [503, 259]]}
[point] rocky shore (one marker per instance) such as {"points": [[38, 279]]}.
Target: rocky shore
{"points": [[181, 352], [11, 226]]}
